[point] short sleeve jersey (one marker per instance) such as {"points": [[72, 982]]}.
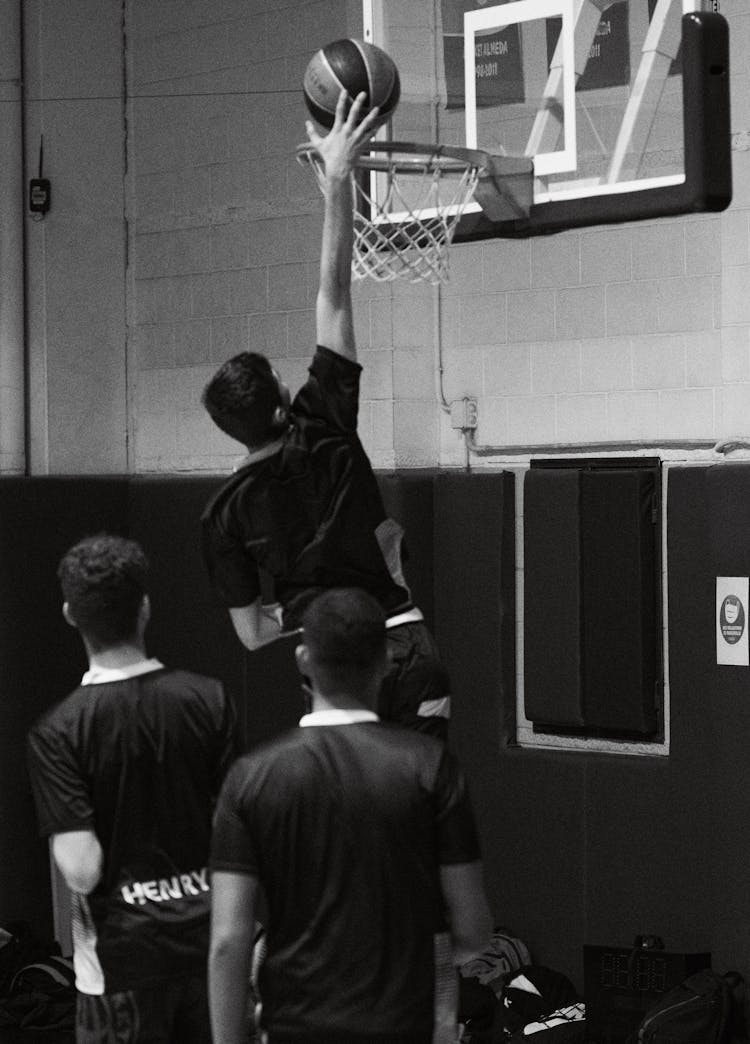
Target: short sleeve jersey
{"points": [[140, 762], [346, 827], [311, 516]]}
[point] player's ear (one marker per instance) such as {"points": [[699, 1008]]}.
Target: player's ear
{"points": [[68, 616], [280, 417], [144, 613], [302, 658]]}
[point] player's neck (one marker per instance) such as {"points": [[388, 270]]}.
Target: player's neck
{"points": [[340, 700], [256, 453], [117, 656]]}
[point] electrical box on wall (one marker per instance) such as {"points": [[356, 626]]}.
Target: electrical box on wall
{"points": [[592, 606], [39, 195]]}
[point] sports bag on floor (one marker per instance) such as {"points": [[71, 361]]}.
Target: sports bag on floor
{"points": [[707, 1008]]}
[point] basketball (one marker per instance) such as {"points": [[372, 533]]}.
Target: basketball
{"points": [[353, 66]]}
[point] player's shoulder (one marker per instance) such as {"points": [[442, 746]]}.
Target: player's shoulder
{"points": [[331, 376], [273, 759], [184, 676], [237, 506], [285, 755], [278, 750], [410, 738], [424, 753], [222, 498], [62, 716], [183, 683], [327, 359]]}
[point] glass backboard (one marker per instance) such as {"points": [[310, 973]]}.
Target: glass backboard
{"points": [[597, 93]]}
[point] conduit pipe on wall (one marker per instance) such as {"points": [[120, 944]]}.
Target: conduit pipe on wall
{"points": [[12, 356], [569, 448]]}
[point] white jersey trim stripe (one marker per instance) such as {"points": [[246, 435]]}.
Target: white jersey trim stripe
{"points": [[435, 708], [89, 974]]}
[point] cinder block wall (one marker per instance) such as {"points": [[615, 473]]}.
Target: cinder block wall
{"points": [[226, 230], [612, 333], [76, 256], [635, 332], [183, 230]]}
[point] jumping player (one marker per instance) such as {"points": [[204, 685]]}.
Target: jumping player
{"points": [[304, 506]]}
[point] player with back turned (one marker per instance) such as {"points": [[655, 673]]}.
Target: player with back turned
{"points": [[304, 506], [125, 772], [353, 832]]}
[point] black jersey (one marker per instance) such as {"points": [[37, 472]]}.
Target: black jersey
{"points": [[311, 515], [140, 762], [345, 827]]}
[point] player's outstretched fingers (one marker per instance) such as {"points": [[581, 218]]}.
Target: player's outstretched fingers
{"points": [[344, 119], [312, 134], [348, 135], [367, 127], [341, 119], [354, 114]]}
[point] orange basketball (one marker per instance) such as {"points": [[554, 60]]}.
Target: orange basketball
{"points": [[353, 66]]}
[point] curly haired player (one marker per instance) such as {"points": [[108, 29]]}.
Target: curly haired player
{"points": [[125, 773]]}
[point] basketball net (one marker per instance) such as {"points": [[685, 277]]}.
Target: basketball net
{"points": [[407, 202]]}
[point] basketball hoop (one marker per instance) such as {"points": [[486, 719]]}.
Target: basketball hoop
{"points": [[409, 199]]}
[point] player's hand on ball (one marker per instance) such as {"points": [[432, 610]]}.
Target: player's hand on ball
{"points": [[348, 136]]}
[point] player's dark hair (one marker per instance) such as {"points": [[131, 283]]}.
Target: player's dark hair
{"points": [[242, 397], [345, 630], [103, 580]]}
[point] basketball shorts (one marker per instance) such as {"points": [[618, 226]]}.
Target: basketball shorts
{"points": [[172, 1011], [416, 691]]}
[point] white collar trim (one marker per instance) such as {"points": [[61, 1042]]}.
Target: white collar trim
{"points": [[100, 675], [337, 716]]}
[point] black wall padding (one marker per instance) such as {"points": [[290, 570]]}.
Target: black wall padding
{"points": [[620, 591], [188, 629], [725, 711], [41, 658], [704, 882], [553, 610], [591, 633], [475, 605]]}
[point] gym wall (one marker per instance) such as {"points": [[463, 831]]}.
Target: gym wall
{"points": [[182, 230]]}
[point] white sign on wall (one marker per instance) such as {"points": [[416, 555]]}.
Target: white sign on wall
{"points": [[731, 620]]}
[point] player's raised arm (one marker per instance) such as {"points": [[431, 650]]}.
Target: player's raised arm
{"points": [[339, 150]]}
